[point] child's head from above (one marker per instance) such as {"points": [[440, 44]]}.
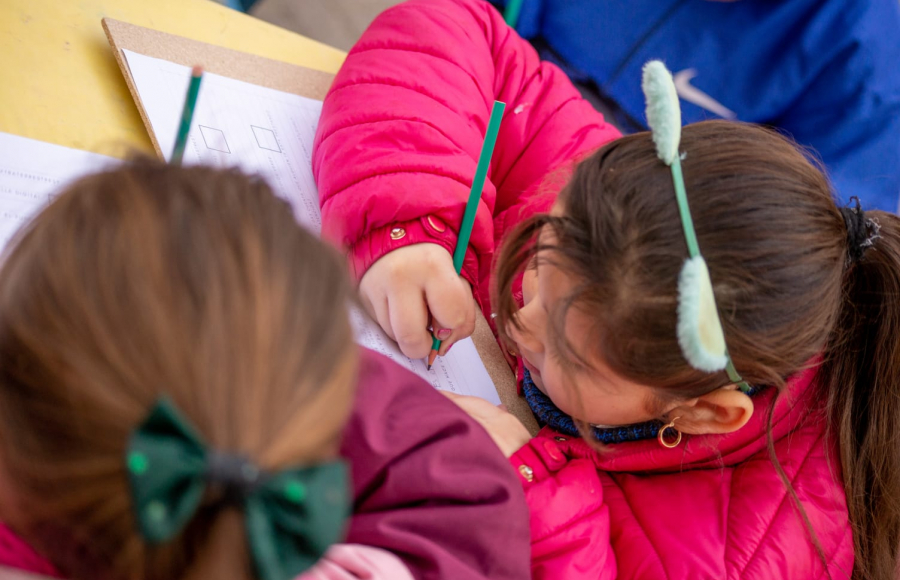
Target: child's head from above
{"points": [[794, 277], [598, 330], [195, 283]]}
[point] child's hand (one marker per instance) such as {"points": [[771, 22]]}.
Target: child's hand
{"points": [[507, 432], [413, 288]]}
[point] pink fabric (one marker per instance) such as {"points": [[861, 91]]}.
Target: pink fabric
{"points": [[397, 144], [355, 562], [15, 574], [403, 124], [712, 508], [14, 553]]}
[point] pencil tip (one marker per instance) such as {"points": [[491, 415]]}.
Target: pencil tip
{"points": [[429, 367]]}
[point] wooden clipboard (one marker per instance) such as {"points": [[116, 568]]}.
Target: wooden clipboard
{"points": [[290, 79]]}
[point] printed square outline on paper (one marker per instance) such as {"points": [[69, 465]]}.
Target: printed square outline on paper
{"points": [[214, 139], [265, 139]]}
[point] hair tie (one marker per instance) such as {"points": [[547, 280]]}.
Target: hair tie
{"points": [[291, 516], [237, 475], [861, 231]]}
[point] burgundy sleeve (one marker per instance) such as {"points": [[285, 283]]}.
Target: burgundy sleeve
{"points": [[430, 486]]}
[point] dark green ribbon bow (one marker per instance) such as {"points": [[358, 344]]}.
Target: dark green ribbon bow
{"points": [[291, 516]]}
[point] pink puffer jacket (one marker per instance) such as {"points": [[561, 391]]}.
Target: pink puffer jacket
{"points": [[396, 151], [403, 125], [714, 507]]}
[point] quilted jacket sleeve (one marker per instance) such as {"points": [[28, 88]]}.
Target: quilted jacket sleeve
{"points": [[404, 121], [570, 529]]}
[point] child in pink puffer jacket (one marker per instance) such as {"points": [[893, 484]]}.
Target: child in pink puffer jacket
{"points": [[649, 466]]}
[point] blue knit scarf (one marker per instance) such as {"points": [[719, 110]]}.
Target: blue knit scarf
{"points": [[548, 414]]}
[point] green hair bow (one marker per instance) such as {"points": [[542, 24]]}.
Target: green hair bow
{"points": [[700, 331], [291, 516]]}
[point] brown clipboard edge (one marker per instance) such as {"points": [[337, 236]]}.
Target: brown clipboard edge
{"points": [[230, 63], [301, 81]]}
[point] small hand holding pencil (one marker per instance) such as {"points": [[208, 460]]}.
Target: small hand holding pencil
{"points": [[468, 220], [465, 229]]}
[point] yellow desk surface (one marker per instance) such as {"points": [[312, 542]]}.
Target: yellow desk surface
{"points": [[59, 81]]}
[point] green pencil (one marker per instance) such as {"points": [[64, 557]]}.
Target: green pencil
{"points": [[465, 230], [186, 115]]}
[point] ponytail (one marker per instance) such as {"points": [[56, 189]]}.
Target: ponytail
{"points": [[152, 281], [861, 373]]}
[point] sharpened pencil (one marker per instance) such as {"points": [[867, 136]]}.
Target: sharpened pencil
{"points": [[187, 113], [468, 221]]}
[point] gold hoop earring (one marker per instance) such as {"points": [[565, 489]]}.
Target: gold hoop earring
{"points": [[661, 435]]}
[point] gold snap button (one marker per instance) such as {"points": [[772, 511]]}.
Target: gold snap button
{"points": [[527, 473], [436, 225], [560, 438], [397, 233]]}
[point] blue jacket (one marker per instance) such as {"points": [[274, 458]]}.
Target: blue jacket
{"points": [[826, 72]]}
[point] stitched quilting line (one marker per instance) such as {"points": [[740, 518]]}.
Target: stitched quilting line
{"points": [[396, 84], [418, 50], [501, 180], [357, 124], [569, 521], [395, 172], [847, 533], [642, 527], [771, 522]]}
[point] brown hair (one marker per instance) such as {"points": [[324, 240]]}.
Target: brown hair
{"points": [[151, 279], [777, 249]]}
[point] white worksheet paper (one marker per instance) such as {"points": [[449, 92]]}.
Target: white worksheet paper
{"points": [[32, 173], [270, 133]]}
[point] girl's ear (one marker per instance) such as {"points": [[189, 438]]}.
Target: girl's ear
{"points": [[724, 410]]}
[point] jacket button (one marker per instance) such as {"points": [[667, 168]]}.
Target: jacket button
{"points": [[560, 438], [552, 451], [397, 233], [436, 224], [527, 473]]}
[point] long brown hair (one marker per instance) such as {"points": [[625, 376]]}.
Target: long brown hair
{"points": [[778, 254], [192, 282]]}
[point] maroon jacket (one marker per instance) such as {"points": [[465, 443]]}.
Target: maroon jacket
{"points": [[430, 485]]}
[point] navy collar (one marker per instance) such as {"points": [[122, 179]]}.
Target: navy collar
{"points": [[550, 415]]}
